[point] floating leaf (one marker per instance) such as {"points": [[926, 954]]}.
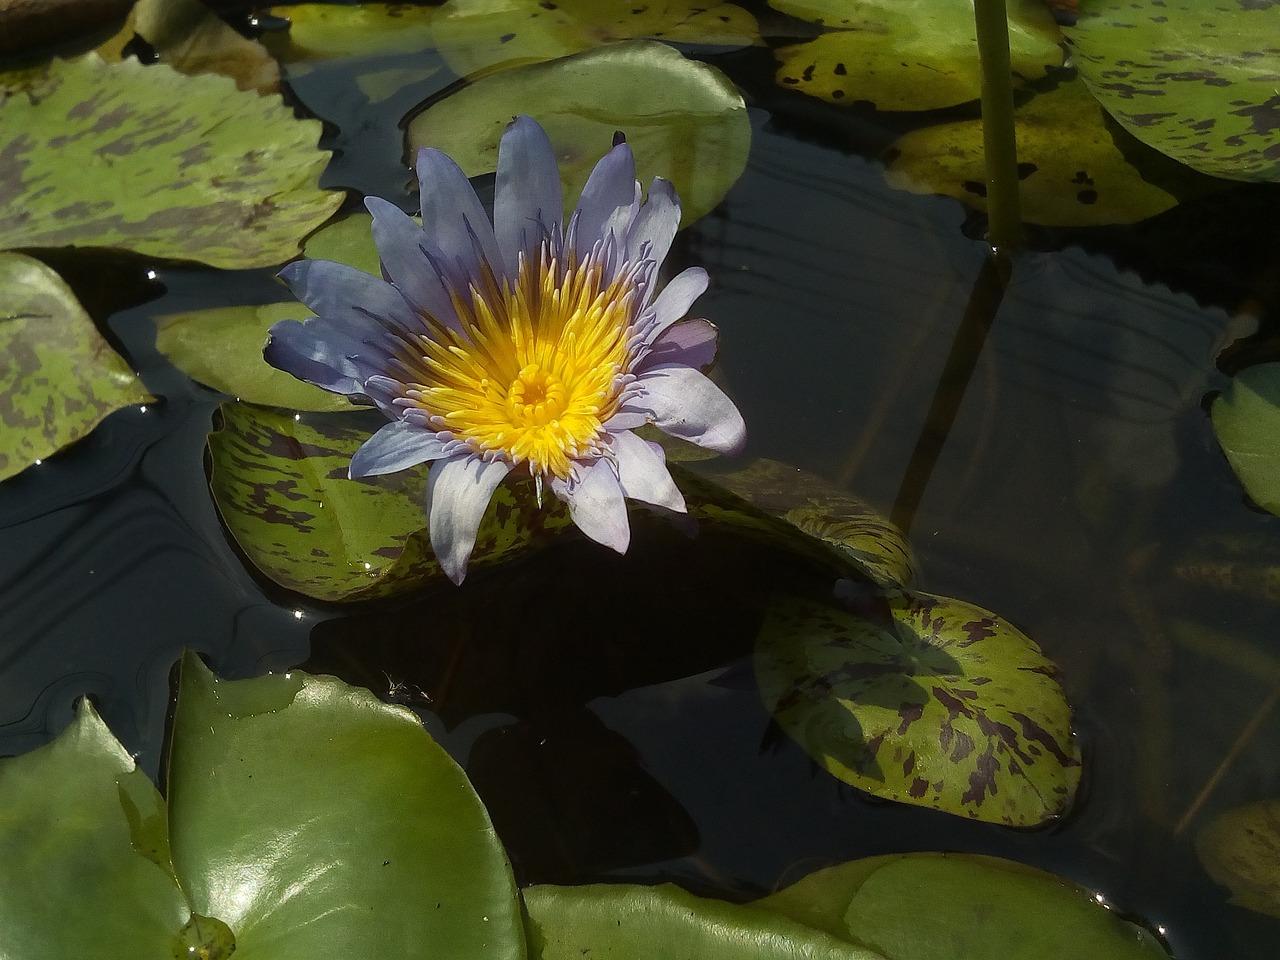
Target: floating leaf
{"points": [[349, 241], [1246, 419], [1196, 79], [684, 120], [1073, 173], [60, 377], [323, 31], [940, 906], [280, 483], [908, 54], [150, 160], [1240, 849], [922, 700], [479, 36]]}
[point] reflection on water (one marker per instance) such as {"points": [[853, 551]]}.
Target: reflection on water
{"points": [[603, 704]]}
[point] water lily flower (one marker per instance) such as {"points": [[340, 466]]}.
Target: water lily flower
{"points": [[526, 344]]}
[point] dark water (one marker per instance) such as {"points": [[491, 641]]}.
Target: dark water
{"points": [[604, 706]]}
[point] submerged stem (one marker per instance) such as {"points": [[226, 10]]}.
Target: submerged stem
{"points": [[998, 135]]}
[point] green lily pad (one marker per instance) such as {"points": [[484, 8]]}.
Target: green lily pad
{"points": [[1240, 849], [908, 54], [684, 120], [939, 906], [477, 37], [1073, 171], [923, 700], [316, 820], [324, 31], [1246, 419], [349, 241], [145, 158], [1196, 79], [61, 378], [280, 483]]}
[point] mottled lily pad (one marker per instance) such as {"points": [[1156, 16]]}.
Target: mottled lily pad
{"points": [[1246, 419], [1198, 80], [479, 36], [908, 54], [922, 700], [684, 120], [150, 160], [1073, 171], [60, 377], [1240, 849], [945, 906]]}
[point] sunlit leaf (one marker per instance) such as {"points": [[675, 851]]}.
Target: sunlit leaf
{"points": [[684, 120], [1196, 79], [325, 31], [907, 54], [1240, 849], [147, 159], [479, 36], [317, 821], [1073, 171], [84, 854], [922, 700], [939, 906], [59, 377], [349, 241], [1246, 419]]}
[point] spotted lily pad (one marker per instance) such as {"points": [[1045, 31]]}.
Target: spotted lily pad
{"points": [[684, 120], [60, 377], [908, 54], [1198, 80], [145, 158], [479, 36], [1246, 419], [324, 31], [1074, 173], [922, 700], [1240, 849]]}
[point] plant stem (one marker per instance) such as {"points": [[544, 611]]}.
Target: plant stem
{"points": [[1004, 230]]}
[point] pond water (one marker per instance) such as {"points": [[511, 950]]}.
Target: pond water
{"points": [[604, 706]]}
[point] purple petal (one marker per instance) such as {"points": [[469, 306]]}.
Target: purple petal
{"points": [[332, 354], [656, 223], [691, 343], [687, 405], [394, 447], [607, 199], [596, 505], [458, 492], [643, 473], [400, 241], [342, 293], [452, 218], [527, 200], [673, 302]]}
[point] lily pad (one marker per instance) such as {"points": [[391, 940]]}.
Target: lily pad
{"points": [[908, 54], [922, 700], [1073, 171], [685, 121], [324, 31], [1196, 79], [1240, 849], [1246, 419], [280, 483], [150, 160], [61, 377], [973, 906], [349, 241], [479, 36]]}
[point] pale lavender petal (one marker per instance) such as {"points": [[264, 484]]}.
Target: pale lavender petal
{"points": [[608, 196], [687, 405], [655, 225], [394, 447], [400, 241], [527, 199], [334, 355], [625, 420], [452, 218], [673, 302], [691, 343], [596, 504], [458, 492], [643, 473], [339, 292]]}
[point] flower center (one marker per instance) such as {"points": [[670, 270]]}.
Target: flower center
{"points": [[536, 398]]}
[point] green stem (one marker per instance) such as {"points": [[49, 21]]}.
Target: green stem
{"points": [[999, 139]]}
